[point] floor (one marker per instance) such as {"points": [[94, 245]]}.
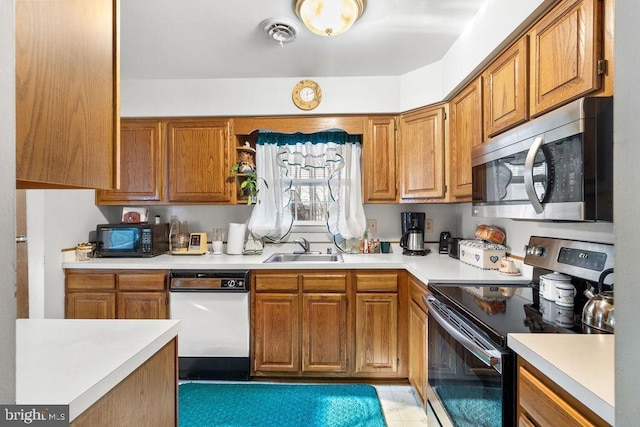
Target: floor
{"points": [[400, 406]]}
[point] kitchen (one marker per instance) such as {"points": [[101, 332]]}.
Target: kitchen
{"points": [[80, 204]]}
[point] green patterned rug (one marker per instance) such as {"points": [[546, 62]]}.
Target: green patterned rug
{"points": [[264, 405]]}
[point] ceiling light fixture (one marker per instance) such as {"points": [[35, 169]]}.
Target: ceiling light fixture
{"points": [[329, 17]]}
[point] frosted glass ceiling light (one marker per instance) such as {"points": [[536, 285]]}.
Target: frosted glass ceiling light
{"points": [[329, 17]]}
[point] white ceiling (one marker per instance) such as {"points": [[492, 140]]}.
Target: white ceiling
{"points": [[215, 39]]}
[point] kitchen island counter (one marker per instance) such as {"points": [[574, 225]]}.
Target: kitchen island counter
{"points": [[581, 364], [77, 362]]}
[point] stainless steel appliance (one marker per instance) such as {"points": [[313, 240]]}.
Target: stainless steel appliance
{"points": [[558, 166], [131, 240], [412, 239], [213, 305], [471, 371]]}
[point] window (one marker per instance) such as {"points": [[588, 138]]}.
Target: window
{"points": [[310, 195]]}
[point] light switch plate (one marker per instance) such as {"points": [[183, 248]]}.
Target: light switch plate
{"points": [[372, 225]]}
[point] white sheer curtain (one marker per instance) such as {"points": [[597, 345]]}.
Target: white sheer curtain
{"points": [[337, 151]]}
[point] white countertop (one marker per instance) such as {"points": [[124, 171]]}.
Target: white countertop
{"points": [[583, 365], [75, 362], [433, 268]]}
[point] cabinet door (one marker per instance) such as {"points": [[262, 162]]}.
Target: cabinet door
{"points": [[379, 153], [142, 305], [422, 155], [565, 48], [141, 164], [505, 90], [377, 334], [324, 333], [418, 350], [276, 332], [465, 133], [199, 161], [66, 93], [90, 305]]}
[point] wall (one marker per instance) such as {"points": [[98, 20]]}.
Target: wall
{"points": [[7, 207], [627, 156]]}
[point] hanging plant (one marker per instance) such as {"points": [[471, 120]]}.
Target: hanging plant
{"points": [[248, 179]]}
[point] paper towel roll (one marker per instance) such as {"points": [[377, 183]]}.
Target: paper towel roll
{"points": [[235, 238]]}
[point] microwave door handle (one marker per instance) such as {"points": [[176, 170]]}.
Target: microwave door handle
{"points": [[488, 357], [528, 175]]}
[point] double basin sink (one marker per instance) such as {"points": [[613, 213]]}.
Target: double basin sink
{"points": [[305, 257]]}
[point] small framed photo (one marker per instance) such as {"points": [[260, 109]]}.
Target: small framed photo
{"points": [[134, 215]]}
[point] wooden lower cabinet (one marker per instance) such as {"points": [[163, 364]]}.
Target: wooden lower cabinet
{"points": [[377, 333], [324, 332], [541, 402], [91, 305], [417, 339], [320, 325], [276, 333], [147, 397], [116, 294]]}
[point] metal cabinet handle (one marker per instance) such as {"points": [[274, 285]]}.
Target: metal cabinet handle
{"points": [[21, 239]]}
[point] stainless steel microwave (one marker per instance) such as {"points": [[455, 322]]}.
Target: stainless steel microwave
{"points": [[558, 166], [131, 240]]}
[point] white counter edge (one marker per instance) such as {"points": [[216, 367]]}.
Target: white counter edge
{"points": [[597, 403]]}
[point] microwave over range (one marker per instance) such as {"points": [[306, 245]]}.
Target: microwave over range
{"points": [[558, 166], [132, 240]]}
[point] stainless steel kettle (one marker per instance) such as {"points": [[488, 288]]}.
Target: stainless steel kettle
{"points": [[598, 312]]}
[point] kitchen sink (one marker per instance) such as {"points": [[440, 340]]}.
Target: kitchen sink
{"points": [[308, 257]]}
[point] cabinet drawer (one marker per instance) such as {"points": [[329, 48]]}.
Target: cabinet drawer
{"points": [[328, 282], [381, 281], [90, 281], [142, 281], [276, 282], [416, 292]]}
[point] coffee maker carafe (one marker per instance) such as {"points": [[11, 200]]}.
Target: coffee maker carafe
{"points": [[412, 240]]}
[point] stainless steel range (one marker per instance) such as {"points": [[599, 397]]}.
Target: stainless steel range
{"points": [[471, 371]]}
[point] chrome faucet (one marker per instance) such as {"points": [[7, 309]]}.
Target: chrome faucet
{"points": [[304, 243]]}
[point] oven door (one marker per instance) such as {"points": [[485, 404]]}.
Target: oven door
{"points": [[471, 380]]}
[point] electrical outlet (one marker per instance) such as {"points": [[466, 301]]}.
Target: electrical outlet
{"points": [[428, 226], [372, 225]]}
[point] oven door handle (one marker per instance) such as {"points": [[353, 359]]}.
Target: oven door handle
{"points": [[492, 357], [528, 175]]}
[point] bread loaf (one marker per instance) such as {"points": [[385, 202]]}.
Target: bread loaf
{"points": [[490, 234]]}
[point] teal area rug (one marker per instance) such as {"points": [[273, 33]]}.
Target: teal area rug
{"points": [[264, 405]]}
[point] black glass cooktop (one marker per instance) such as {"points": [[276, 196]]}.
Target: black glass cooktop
{"points": [[500, 310]]}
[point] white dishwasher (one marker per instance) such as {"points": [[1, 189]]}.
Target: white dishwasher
{"points": [[213, 305]]}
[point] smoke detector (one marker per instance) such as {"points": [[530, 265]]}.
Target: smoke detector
{"points": [[282, 30]]}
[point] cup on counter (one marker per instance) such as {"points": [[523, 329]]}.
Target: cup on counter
{"points": [[217, 238], [385, 247]]}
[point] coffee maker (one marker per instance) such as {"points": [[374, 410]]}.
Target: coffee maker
{"points": [[412, 240]]}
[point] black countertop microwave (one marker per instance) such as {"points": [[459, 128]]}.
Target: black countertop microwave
{"points": [[558, 166], [131, 240]]}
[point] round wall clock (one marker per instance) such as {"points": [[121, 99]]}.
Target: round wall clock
{"points": [[306, 94]]}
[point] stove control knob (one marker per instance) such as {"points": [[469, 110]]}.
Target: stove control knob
{"points": [[534, 250]]}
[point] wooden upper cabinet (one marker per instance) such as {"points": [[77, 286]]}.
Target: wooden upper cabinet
{"points": [[565, 49], [465, 132], [141, 163], [421, 150], [199, 160], [67, 98], [379, 154], [506, 101]]}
